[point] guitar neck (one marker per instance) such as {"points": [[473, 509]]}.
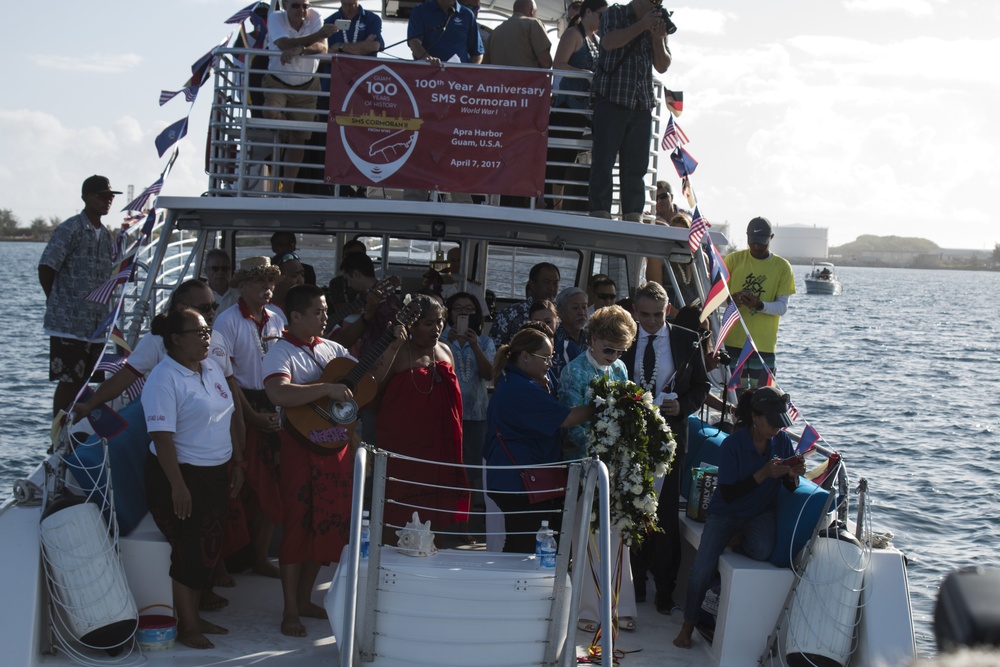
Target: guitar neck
{"points": [[368, 360], [351, 308]]}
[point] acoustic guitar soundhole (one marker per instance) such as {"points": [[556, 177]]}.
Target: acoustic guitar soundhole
{"points": [[343, 413]]}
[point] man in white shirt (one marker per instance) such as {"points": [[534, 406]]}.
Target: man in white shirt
{"points": [[244, 333], [291, 83]]}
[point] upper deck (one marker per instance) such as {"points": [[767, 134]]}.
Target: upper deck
{"points": [[246, 148]]}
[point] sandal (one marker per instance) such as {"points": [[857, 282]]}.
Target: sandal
{"points": [[626, 623], [586, 625]]}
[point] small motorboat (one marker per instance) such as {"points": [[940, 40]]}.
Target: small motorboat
{"points": [[823, 280]]}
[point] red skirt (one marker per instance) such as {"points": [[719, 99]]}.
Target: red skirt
{"points": [[316, 502]]}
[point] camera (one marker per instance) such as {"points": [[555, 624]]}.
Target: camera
{"points": [[665, 15]]}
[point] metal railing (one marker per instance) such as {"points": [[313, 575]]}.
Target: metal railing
{"points": [[246, 148]]}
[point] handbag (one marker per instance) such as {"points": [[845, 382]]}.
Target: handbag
{"points": [[540, 484]]}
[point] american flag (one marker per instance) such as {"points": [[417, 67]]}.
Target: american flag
{"points": [[673, 136], [807, 442], [242, 15], [103, 293], [729, 319], [699, 227], [141, 202], [793, 412], [111, 363], [167, 95], [736, 380]]}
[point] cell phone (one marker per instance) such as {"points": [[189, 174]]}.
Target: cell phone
{"points": [[790, 461], [461, 324], [343, 24]]}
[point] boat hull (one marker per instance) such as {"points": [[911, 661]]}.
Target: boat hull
{"points": [[832, 287]]}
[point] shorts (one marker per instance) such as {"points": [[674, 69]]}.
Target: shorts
{"points": [[72, 360], [299, 103], [753, 369]]}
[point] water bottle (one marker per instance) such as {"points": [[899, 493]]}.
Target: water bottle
{"points": [[539, 538], [549, 551], [366, 535]]}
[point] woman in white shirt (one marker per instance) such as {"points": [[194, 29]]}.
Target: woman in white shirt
{"points": [[189, 415]]}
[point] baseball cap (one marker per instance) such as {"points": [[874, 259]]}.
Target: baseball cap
{"points": [[759, 231], [97, 185], [771, 403]]}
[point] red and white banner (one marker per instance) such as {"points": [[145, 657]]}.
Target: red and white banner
{"points": [[457, 129]]}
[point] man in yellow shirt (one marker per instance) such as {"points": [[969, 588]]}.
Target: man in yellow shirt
{"points": [[760, 283]]}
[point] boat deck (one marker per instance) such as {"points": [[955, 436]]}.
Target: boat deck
{"points": [[254, 613]]}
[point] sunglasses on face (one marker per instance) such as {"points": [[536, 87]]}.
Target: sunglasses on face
{"points": [[610, 296], [203, 332], [663, 195], [613, 350], [206, 308]]}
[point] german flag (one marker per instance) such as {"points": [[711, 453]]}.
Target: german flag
{"points": [[675, 101]]}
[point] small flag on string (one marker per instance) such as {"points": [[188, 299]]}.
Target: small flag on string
{"points": [[103, 293], [715, 297], [737, 379], [765, 379], [688, 192], [141, 202], [118, 338], [242, 15], [683, 162], [793, 411], [807, 442], [171, 135], [675, 101], [699, 227], [729, 318], [673, 136], [106, 422], [716, 266]]}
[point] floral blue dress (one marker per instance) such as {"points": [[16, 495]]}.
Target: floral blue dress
{"points": [[573, 385]]}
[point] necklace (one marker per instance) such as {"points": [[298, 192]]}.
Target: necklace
{"points": [[648, 384], [432, 367]]}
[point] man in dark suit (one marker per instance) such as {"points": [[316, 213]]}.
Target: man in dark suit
{"points": [[667, 360]]}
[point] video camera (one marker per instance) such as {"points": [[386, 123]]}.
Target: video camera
{"points": [[671, 28]]}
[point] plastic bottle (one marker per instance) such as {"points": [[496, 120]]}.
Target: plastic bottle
{"points": [[539, 538], [549, 551], [366, 535]]}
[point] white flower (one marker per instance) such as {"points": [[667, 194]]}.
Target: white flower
{"points": [[599, 401]]}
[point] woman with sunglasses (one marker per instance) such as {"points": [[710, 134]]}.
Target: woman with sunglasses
{"points": [[523, 425], [190, 413], [612, 330], [149, 352], [754, 462]]}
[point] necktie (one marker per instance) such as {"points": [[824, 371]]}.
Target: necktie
{"points": [[649, 362]]}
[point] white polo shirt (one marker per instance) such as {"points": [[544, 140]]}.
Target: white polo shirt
{"points": [[196, 407], [236, 336], [299, 361], [149, 351]]}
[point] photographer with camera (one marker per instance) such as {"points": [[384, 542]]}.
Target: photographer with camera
{"points": [[633, 42]]}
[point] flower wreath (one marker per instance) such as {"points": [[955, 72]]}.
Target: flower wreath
{"points": [[630, 436]]}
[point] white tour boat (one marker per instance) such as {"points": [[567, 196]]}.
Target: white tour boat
{"points": [[464, 606], [823, 280]]}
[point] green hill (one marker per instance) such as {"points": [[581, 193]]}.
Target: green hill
{"points": [[869, 243]]}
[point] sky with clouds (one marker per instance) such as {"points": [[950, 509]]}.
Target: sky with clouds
{"points": [[861, 116]]}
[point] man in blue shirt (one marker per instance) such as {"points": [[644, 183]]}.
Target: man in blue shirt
{"points": [[362, 38], [441, 29]]}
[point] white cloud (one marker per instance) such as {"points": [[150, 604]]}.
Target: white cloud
{"points": [[911, 7], [101, 63], [701, 21]]}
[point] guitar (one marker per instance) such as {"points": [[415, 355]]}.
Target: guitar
{"points": [[327, 425], [386, 285]]}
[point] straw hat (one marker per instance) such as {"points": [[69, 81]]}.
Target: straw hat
{"points": [[255, 267]]}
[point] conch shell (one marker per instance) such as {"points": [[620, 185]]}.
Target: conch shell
{"points": [[415, 538]]}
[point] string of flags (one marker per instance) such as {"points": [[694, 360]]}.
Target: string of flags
{"points": [[105, 421], [674, 139]]}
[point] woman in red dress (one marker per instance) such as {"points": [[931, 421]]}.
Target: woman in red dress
{"points": [[420, 415]]}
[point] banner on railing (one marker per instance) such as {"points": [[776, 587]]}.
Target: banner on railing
{"points": [[456, 129]]}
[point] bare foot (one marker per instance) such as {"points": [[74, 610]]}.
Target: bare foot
{"points": [[210, 628], [222, 578], [266, 568], [310, 610], [683, 638], [292, 626], [211, 601], [194, 639]]}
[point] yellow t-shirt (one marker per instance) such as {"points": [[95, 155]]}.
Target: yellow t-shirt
{"points": [[768, 279]]}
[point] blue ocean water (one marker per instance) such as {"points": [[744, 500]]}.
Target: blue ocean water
{"points": [[897, 373]]}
